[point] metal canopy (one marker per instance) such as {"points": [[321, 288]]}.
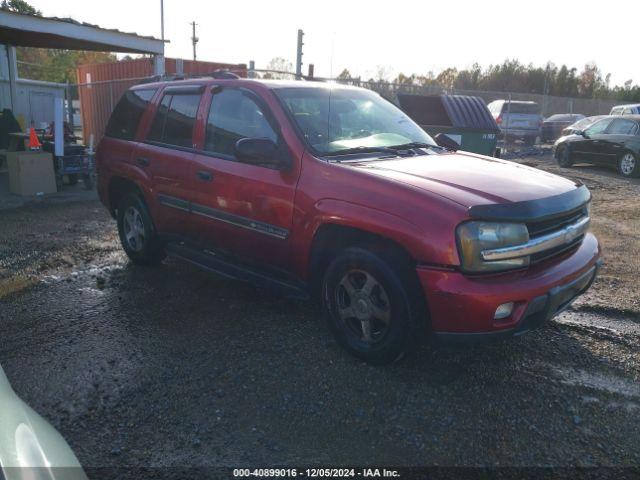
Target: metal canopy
{"points": [[42, 32]]}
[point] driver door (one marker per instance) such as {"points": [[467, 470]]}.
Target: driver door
{"points": [[591, 146], [243, 209]]}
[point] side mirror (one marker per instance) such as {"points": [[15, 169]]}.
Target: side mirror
{"points": [[447, 142], [258, 151]]}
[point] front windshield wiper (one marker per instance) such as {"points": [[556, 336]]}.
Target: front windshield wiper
{"points": [[363, 149], [413, 145]]}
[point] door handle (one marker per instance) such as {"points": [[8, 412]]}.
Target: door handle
{"points": [[204, 175], [143, 162]]}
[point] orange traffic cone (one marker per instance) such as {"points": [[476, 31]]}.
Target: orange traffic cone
{"points": [[34, 142]]}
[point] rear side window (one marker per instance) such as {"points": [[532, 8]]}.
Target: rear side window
{"points": [[235, 115], [174, 119], [127, 114], [622, 127]]}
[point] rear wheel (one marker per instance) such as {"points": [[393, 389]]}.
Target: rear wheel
{"points": [[530, 141], [369, 306], [137, 232], [628, 165], [563, 156]]}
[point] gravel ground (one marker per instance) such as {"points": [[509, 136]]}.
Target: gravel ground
{"points": [[170, 366]]}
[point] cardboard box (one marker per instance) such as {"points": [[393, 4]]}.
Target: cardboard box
{"points": [[31, 173]]}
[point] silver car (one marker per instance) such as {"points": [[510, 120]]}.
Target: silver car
{"points": [[30, 448], [517, 120]]}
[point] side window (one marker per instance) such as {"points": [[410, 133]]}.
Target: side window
{"points": [[234, 115], [598, 127], [127, 114], [622, 127], [174, 120]]}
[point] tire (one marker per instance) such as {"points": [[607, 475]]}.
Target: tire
{"points": [[137, 233], [372, 306], [563, 156], [529, 141], [628, 165]]}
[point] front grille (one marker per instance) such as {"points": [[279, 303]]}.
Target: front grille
{"points": [[545, 227], [541, 256], [539, 228]]}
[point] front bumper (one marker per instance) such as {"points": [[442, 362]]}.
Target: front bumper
{"points": [[462, 307]]}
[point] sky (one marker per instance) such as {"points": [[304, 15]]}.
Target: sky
{"points": [[397, 36]]}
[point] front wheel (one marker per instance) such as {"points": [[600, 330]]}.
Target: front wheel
{"points": [[563, 156], [628, 165], [369, 306], [137, 232]]}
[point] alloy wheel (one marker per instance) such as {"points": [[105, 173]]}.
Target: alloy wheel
{"points": [[363, 305], [134, 229], [627, 164]]}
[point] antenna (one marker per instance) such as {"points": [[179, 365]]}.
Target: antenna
{"points": [[194, 39]]}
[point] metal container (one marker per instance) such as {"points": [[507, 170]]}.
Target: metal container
{"points": [[463, 118]]}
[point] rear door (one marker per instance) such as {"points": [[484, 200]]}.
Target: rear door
{"points": [[244, 209], [167, 156], [620, 132]]}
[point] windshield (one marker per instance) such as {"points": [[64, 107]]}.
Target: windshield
{"points": [[335, 120]]}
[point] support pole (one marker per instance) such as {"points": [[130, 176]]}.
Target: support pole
{"points": [[13, 77], [158, 65]]}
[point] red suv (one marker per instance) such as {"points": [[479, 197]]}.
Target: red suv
{"points": [[317, 189]]}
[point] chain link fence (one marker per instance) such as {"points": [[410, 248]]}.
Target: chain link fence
{"points": [[98, 99], [549, 105]]}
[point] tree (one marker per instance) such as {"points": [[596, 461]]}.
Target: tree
{"points": [[19, 6], [447, 77], [344, 75], [280, 69]]}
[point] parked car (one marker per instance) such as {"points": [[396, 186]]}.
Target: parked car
{"points": [[626, 110], [553, 126], [29, 446], [517, 120], [611, 141], [581, 125], [311, 189]]}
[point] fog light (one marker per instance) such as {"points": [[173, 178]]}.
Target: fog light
{"points": [[503, 311]]}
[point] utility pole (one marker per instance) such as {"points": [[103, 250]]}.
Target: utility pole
{"points": [[299, 56], [194, 39]]}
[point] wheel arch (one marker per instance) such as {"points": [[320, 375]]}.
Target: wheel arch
{"points": [[331, 238], [118, 188]]}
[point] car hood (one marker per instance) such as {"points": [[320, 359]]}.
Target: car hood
{"points": [[469, 179]]}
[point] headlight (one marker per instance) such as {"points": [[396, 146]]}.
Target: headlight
{"points": [[474, 237]]}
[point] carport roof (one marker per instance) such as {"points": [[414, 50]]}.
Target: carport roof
{"points": [[22, 30]]}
